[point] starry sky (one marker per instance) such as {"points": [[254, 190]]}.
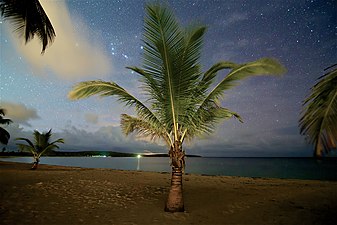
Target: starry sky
{"points": [[97, 39]]}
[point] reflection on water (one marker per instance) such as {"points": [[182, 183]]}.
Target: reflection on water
{"points": [[298, 168]]}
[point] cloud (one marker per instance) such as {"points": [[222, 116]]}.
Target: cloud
{"points": [[72, 54], [235, 18], [91, 118], [19, 113], [105, 138]]}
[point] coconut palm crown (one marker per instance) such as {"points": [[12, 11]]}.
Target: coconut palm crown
{"points": [[4, 135], [319, 115], [40, 146], [182, 101], [28, 19]]}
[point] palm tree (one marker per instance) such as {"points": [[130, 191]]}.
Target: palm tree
{"points": [[4, 135], [319, 115], [182, 102], [40, 146], [29, 19]]}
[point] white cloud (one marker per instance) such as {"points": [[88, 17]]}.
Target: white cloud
{"points": [[72, 55], [235, 18], [19, 113]]}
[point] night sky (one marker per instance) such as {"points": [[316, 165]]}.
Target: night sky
{"points": [[97, 39]]}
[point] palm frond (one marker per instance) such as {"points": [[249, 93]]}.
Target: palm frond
{"points": [[26, 140], [38, 140], [206, 119], [26, 148], [29, 19], [163, 41], [263, 66], [48, 148], [171, 66], [209, 112], [103, 89], [2, 112], [60, 140], [211, 73], [319, 115], [130, 124], [3, 120], [4, 136]]}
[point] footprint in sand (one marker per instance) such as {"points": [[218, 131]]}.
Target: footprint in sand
{"points": [[235, 207]]}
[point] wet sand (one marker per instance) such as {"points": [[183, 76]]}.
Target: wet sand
{"points": [[72, 195]]}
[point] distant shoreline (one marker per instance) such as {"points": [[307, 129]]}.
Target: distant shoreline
{"points": [[89, 154]]}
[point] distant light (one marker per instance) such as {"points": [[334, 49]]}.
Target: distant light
{"points": [[139, 156]]}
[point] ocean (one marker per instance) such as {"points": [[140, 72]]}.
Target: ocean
{"points": [[289, 168]]}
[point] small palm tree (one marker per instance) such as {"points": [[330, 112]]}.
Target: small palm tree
{"points": [[29, 19], [182, 102], [319, 115], [4, 135], [40, 146]]}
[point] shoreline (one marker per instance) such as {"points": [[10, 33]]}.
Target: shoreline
{"points": [[76, 195], [278, 168]]}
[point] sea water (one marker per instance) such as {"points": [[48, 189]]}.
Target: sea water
{"points": [[293, 168]]}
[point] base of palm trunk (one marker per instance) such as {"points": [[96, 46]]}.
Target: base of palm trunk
{"points": [[174, 207], [34, 167], [175, 201]]}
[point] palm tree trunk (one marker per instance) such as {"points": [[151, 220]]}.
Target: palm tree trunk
{"points": [[36, 163], [175, 201]]}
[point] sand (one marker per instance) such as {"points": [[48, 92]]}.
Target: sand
{"points": [[71, 195]]}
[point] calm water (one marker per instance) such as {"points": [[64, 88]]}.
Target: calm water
{"points": [[298, 168]]}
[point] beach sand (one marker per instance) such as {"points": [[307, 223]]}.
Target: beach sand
{"points": [[71, 195]]}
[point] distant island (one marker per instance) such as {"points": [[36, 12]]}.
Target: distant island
{"points": [[90, 154]]}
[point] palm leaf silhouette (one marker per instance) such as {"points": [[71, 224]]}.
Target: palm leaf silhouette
{"points": [[319, 115], [29, 19]]}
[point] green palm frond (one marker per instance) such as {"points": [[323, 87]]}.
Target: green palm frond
{"points": [[26, 140], [130, 124], [48, 148], [263, 66], [210, 74], [24, 147], [163, 42], [60, 140], [206, 119], [29, 19], [101, 88], [171, 66], [319, 115], [41, 139], [209, 112]]}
